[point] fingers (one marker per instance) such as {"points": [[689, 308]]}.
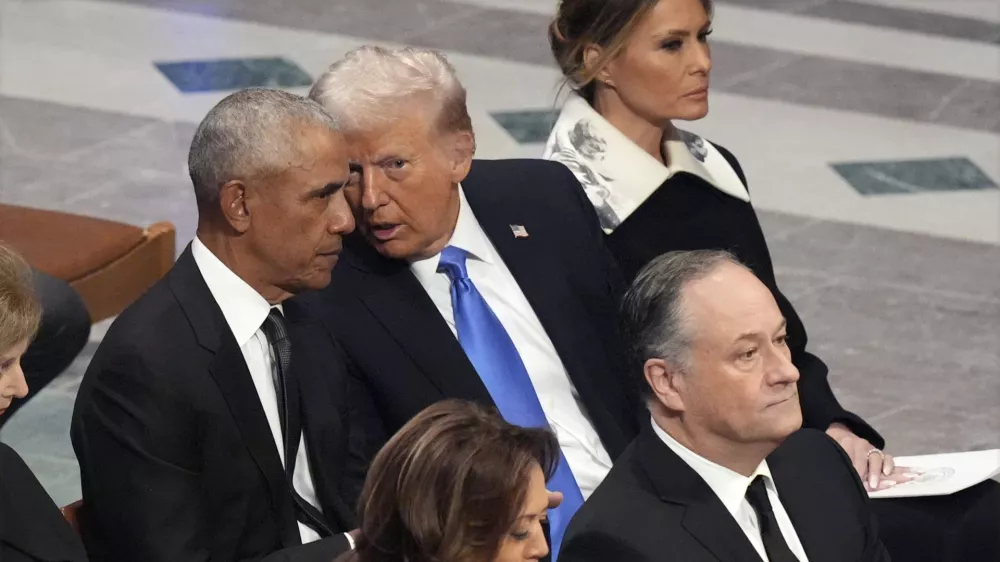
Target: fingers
{"points": [[859, 456], [889, 466], [905, 474], [555, 499], [875, 466]]}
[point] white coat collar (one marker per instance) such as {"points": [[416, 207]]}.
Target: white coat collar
{"points": [[617, 175]]}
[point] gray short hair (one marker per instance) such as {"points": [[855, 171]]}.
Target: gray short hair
{"points": [[654, 319], [247, 134], [368, 85]]}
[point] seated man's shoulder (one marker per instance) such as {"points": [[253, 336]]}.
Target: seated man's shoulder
{"points": [[529, 167], [810, 446], [528, 176], [153, 332], [810, 453], [623, 519], [9, 457], [622, 499]]}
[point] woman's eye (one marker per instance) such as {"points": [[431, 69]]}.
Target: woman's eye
{"points": [[520, 536]]}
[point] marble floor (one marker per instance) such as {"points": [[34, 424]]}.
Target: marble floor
{"points": [[869, 130]]}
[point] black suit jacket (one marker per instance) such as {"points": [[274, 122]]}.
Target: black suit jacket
{"points": [[687, 213], [653, 507], [403, 355], [31, 527], [176, 456]]}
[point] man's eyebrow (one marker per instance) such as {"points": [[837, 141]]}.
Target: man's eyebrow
{"points": [[327, 189]]}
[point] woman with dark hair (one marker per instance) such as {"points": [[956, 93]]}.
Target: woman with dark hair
{"points": [[457, 484], [31, 527], [636, 67]]}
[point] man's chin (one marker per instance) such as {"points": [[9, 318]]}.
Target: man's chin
{"points": [[393, 249], [785, 418], [790, 423]]}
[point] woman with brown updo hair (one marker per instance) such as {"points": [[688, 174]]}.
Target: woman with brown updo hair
{"points": [[636, 67], [457, 484], [31, 527]]}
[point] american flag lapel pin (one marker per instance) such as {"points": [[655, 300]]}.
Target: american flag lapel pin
{"points": [[519, 231]]}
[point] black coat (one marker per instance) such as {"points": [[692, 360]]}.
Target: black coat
{"points": [[653, 507], [404, 357], [176, 456], [31, 527]]}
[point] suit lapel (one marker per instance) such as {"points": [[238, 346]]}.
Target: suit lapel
{"points": [[394, 296], [705, 517], [541, 281], [231, 374], [317, 403], [229, 370], [812, 527]]}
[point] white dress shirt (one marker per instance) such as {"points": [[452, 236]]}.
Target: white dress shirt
{"points": [[731, 488], [245, 311], [560, 402]]}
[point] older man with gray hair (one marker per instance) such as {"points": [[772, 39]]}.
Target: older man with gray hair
{"points": [[721, 471], [209, 423], [481, 280]]}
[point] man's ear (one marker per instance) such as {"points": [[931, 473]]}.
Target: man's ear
{"points": [[462, 154], [666, 382], [235, 206]]}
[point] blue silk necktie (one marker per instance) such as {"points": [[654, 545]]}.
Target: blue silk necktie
{"points": [[499, 365]]}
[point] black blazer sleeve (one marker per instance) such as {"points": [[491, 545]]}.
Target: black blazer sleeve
{"points": [[820, 407], [31, 527], [613, 274], [152, 433], [634, 406], [875, 550]]}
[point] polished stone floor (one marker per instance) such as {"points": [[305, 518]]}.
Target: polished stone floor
{"points": [[869, 129]]}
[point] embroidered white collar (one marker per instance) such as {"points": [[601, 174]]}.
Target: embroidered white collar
{"points": [[617, 175]]}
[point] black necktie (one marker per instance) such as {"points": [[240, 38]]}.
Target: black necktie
{"points": [[774, 543], [286, 389], [281, 348]]}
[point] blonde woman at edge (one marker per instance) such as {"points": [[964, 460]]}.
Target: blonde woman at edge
{"points": [[31, 527]]}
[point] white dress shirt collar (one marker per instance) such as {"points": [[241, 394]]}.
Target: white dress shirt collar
{"points": [[729, 486], [243, 307], [468, 236]]}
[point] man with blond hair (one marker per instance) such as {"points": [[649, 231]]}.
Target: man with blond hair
{"points": [[473, 279]]}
